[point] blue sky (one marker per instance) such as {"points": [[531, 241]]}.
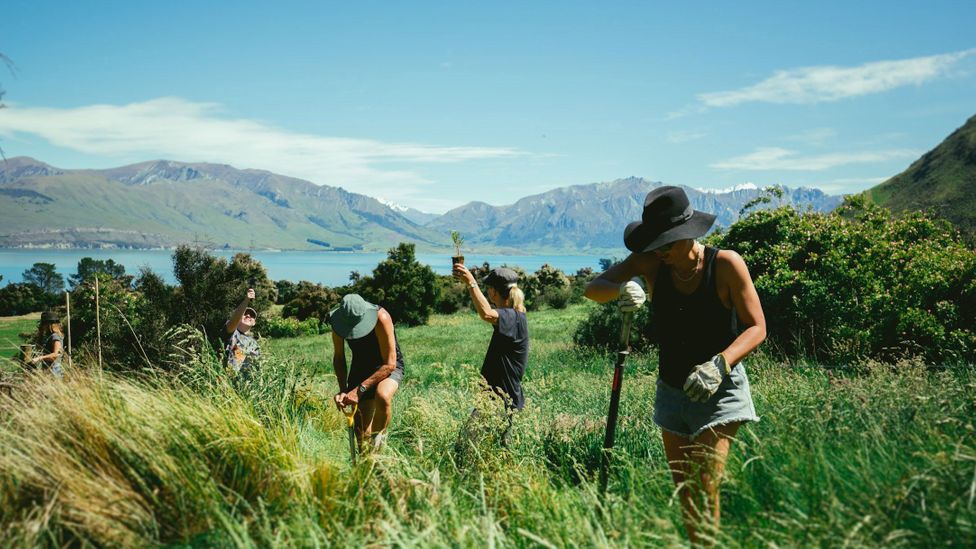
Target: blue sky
{"points": [[434, 104]]}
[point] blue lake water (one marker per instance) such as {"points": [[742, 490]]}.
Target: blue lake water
{"points": [[329, 268]]}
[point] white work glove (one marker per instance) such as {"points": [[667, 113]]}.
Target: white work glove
{"points": [[705, 378], [632, 296]]}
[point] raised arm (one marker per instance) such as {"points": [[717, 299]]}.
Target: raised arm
{"points": [[238, 314], [732, 270], [481, 305]]}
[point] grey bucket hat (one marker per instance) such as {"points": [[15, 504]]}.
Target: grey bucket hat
{"points": [[354, 317], [501, 278]]}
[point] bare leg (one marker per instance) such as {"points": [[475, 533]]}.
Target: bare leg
{"points": [[697, 468], [678, 449], [375, 413], [710, 451]]}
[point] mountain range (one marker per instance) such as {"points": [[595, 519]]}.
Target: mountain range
{"points": [[165, 203]]}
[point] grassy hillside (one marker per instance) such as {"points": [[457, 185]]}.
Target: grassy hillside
{"points": [[865, 457], [168, 203], [944, 179]]}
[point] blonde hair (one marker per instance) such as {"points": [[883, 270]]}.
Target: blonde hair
{"points": [[48, 328], [517, 298]]}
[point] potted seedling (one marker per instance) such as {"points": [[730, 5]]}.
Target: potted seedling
{"points": [[458, 240]]}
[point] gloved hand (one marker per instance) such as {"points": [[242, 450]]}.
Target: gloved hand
{"points": [[632, 296], [705, 378]]}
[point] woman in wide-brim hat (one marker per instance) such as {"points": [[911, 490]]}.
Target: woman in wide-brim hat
{"points": [[50, 339], [708, 319], [377, 365]]}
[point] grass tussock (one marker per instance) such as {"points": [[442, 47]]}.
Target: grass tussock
{"points": [[870, 455]]}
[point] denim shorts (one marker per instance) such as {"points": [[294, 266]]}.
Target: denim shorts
{"points": [[732, 402]]}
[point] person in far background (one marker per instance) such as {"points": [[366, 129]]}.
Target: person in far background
{"points": [[243, 351], [50, 341], [508, 350]]}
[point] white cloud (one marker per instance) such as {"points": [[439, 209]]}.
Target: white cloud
{"points": [[815, 136], [830, 83], [175, 128], [776, 158], [684, 136]]}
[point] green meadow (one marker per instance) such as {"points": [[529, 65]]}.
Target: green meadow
{"points": [[865, 455]]}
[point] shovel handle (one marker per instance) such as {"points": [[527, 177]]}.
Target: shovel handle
{"points": [[350, 413]]}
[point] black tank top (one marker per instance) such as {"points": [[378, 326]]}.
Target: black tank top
{"points": [[692, 328], [366, 353]]}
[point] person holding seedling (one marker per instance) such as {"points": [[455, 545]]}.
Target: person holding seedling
{"points": [[377, 365], [708, 318], [50, 340], [508, 350], [243, 350]]}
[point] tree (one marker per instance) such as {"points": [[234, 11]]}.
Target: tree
{"points": [[46, 277], [210, 288], [88, 267], [311, 301], [401, 285], [20, 299]]}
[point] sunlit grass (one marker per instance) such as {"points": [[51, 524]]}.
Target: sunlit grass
{"points": [[874, 455]]}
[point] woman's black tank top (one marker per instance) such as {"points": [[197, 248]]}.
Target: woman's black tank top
{"points": [[366, 353], [693, 328]]}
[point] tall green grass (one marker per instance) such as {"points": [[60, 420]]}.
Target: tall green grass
{"points": [[865, 456]]}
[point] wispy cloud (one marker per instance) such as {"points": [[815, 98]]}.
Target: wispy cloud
{"points": [[850, 184], [831, 83], [815, 136], [775, 158], [684, 136], [183, 130]]}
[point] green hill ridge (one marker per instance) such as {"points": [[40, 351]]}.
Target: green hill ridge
{"points": [[943, 179]]}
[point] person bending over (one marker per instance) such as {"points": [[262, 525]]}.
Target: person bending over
{"points": [[708, 319], [377, 365]]}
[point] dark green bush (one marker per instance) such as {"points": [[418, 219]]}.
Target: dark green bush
{"points": [[22, 298], [854, 284], [402, 285], [860, 283], [452, 295], [310, 300], [291, 327], [601, 329]]}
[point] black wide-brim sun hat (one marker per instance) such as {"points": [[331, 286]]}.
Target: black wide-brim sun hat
{"points": [[667, 217]]}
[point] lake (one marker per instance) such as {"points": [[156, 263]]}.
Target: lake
{"points": [[329, 268]]}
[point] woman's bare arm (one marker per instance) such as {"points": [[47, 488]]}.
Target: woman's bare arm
{"points": [[731, 270], [606, 287], [384, 336]]}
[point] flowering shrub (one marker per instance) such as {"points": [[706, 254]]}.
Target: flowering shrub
{"points": [[852, 284], [860, 282]]}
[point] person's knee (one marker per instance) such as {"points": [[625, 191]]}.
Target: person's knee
{"points": [[384, 394]]}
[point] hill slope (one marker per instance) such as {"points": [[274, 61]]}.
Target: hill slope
{"points": [[164, 203], [943, 179]]}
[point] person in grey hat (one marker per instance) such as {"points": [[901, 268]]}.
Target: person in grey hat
{"points": [[377, 365], [508, 350], [50, 339], [708, 318], [243, 350]]}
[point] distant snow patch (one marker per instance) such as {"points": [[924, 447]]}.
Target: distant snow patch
{"points": [[749, 186]]}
